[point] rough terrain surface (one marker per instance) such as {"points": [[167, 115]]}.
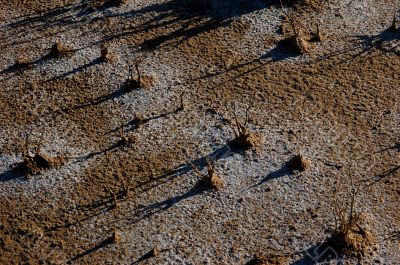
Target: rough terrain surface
{"points": [[289, 109]]}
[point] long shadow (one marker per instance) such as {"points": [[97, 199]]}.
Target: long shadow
{"points": [[236, 68], [199, 163], [100, 245], [109, 149], [90, 210], [28, 65], [79, 69], [367, 44], [179, 20], [394, 147], [11, 174], [157, 207], [52, 18], [97, 101], [135, 123], [105, 204], [149, 210], [283, 171], [187, 18], [146, 256], [384, 175], [379, 41]]}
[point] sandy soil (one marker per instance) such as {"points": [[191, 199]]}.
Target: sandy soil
{"points": [[94, 170]]}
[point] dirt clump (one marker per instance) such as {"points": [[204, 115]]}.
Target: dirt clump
{"points": [[36, 164], [353, 238], [134, 83], [299, 163], [22, 62], [59, 50], [296, 43], [139, 119], [154, 252], [107, 55], [211, 180], [318, 36], [115, 237], [246, 140]]}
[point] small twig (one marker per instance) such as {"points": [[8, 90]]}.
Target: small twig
{"points": [[238, 125], [249, 107], [139, 76]]}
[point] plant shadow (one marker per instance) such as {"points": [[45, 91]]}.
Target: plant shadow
{"points": [[99, 100], [281, 172], [79, 69], [99, 246], [199, 188], [171, 20], [11, 174], [320, 253], [279, 53], [380, 42]]}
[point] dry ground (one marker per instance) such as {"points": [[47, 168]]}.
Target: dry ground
{"points": [[337, 104]]}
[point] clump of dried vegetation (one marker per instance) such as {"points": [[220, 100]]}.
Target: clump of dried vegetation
{"points": [[38, 162], [244, 138], [106, 54], [140, 81], [350, 235], [210, 180], [296, 42], [59, 50], [318, 36]]}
